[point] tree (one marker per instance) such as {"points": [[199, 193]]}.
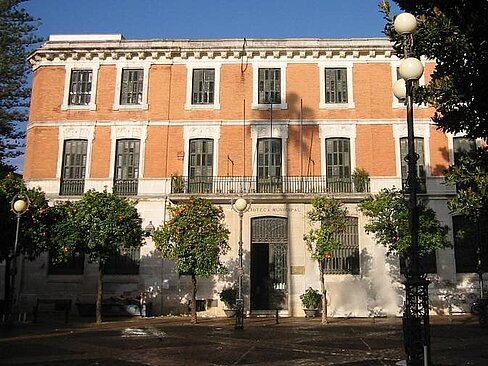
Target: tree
{"points": [[17, 29], [195, 237], [331, 217], [388, 213], [470, 176], [453, 33], [35, 224], [100, 225]]}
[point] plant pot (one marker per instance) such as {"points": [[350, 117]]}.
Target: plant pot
{"points": [[230, 313], [311, 313]]}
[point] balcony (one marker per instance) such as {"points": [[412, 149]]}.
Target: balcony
{"points": [[268, 185], [126, 187], [72, 187]]}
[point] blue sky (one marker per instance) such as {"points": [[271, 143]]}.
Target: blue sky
{"points": [[137, 19]]}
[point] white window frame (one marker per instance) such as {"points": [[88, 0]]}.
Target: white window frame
{"points": [[118, 85], [94, 67], [189, 85], [350, 84], [85, 131], [329, 131], [210, 132], [264, 131], [420, 130], [255, 92]]}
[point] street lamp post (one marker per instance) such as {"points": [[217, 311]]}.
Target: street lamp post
{"points": [[416, 307], [19, 205], [240, 206]]}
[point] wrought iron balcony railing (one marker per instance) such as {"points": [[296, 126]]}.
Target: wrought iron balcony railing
{"points": [[126, 187], [72, 187], [268, 185]]}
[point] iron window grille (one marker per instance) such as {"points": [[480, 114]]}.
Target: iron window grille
{"points": [[73, 265], [335, 85], [269, 86], [80, 87], [126, 262], [470, 245], [345, 259], [203, 86], [74, 167], [132, 86]]}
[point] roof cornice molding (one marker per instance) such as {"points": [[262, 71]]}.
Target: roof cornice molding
{"points": [[74, 48]]}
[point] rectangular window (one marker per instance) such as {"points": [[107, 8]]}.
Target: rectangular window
{"points": [[469, 249], [127, 167], [132, 86], [269, 86], [419, 150], [74, 168], [203, 86], [80, 87], [338, 165], [73, 265], [345, 259], [269, 165], [124, 263], [336, 85], [200, 166]]}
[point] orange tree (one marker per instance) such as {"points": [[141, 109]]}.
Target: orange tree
{"points": [[328, 218], [195, 237], [99, 225]]}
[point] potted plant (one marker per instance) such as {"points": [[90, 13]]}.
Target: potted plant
{"points": [[228, 296], [311, 300], [360, 178], [177, 183]]}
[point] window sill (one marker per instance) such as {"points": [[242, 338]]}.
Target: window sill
{"points": [[266, 107], [190, 107], [70, 107], [337, 105], [130, 107]]}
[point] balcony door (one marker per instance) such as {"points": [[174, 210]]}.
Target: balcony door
{"points": [[338, 165], [269, 178], [200, 166]]}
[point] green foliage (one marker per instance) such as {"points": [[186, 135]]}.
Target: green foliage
{"points": [[195, 237], [388, 213], [311, 298], [35, 223], [228, 296], [470, 176], [16, 37], [360, 178], [100, 224], [453, 33], [332, 219]]}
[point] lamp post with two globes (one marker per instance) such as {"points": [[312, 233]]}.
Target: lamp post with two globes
{"points": [[416, 331]]}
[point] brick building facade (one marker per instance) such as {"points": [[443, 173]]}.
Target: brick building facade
{"points": [[275, 120]]}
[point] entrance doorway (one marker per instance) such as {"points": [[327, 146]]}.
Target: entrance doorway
{"points": [[269, 263]]}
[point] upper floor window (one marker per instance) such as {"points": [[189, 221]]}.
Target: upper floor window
{"points": [[74, 167], [471, 255], [269, 86], [127, 166], [338, 164], [419, 150], [336, 85], [203, 86], [269, 165], [80, 89], [345, 259], [131, 89]]}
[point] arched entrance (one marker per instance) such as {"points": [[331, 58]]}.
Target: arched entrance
{"points": [[269, 263]]}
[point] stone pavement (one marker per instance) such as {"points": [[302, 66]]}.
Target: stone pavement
{"points": [[173, 341]]}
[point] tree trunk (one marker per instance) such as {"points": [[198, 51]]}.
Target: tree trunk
{"points": [[99, 294], [194, 300], [325, 320]]}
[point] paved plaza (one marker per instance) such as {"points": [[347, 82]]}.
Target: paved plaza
{"points": [[173, 341]]}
